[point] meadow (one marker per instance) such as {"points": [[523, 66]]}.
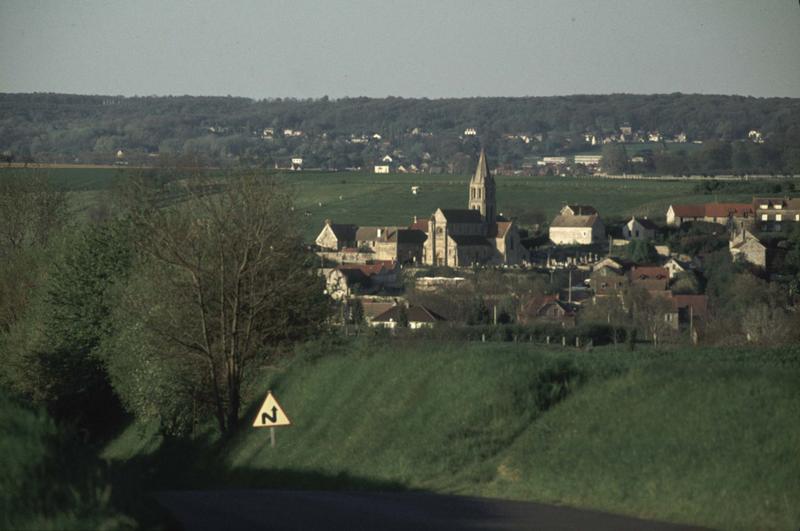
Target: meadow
{"points": [[370, 199], [700, 436]]}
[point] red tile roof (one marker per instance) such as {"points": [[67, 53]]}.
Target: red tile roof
{"points": [[420, 224], [713, 210], [698, 303]]}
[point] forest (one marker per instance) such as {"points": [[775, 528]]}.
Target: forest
{"points": [[335, 134]]}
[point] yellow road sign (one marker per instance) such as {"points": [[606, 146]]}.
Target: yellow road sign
{"points": [[271, 414]]}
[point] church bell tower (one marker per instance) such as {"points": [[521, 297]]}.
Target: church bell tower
{"points": [[481, 191]]}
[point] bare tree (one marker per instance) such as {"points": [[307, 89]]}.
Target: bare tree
{"points": [[233, 278]]}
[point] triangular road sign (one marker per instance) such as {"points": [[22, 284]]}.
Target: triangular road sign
{"points": [[271, 414]]}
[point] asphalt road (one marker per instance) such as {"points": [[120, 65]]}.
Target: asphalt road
{"points": [[249, 510]]}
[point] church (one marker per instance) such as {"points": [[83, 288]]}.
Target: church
{"points": [[454, 237], [474, 235]]}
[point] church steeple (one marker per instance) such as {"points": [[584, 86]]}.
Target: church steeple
{"points": [[481, 191]]}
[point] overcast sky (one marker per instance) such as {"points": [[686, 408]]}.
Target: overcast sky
{"points": [[431, 48]]}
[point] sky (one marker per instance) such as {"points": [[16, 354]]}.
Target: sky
{"points": [[409, 48]]}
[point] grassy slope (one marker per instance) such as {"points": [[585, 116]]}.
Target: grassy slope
{"points": [[707, 437]]}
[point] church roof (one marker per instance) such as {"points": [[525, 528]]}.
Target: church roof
{"points": [[482, 173], [499, 229], [462, 215], [468, 240]]}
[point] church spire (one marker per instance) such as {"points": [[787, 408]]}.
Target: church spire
{"points": [[481, 190], [482, 171]]}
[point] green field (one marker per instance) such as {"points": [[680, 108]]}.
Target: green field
{"points": [[706, 436], [370, 199]]}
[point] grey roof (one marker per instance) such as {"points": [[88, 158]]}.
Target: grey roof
{"points": [[344, 232], [470, 241], [574, 221], [411, 236], [371, 233], [462, 215], [415, 313], [646, 223], [482, 171]]}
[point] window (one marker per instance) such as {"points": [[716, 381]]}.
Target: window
{"points": [[778, 217], [764, 217], [797, 217], [778, 206], [762, 206]]}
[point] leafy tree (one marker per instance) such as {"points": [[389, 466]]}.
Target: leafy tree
{"points": [[63, 366], [614, 159], [357, 312], [641, 252], [229, 282], [30, 211], [479, 313]]}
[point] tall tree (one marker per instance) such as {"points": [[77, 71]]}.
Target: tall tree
{"points": [[233, 281], [615, 158]]}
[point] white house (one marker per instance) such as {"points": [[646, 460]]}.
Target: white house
{"points": [[639, 229], [381, 168], [588, 160], [417, 316], [577, 225]]}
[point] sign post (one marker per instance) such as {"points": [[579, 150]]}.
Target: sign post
{"points": [[270, 415]]}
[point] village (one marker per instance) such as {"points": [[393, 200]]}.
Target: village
{"points": [[384, 276]]}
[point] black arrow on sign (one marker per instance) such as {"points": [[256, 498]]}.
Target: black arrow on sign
{"points": [[265, 416]]}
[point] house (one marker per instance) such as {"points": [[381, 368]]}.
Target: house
{"points": [[346, 280], [675, 267], [732, 215], [639, 229], [470, 131], [392, 243], [558, 311], [381, 168], [754, 135], [373, 308], [342, 284], [297, 163], [745, 247], [653, 279], [336, 236], [418, 317], [772, 213], [607, 280], [577, 224], [588, 160], [554, 161]]}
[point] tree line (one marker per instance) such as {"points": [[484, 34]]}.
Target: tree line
{"points": [[227, 130]]}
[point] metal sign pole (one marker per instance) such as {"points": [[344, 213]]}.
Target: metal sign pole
{"points": [[272, 437]]}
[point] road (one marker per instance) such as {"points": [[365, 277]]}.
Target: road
{"points": [[250, 510]]}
